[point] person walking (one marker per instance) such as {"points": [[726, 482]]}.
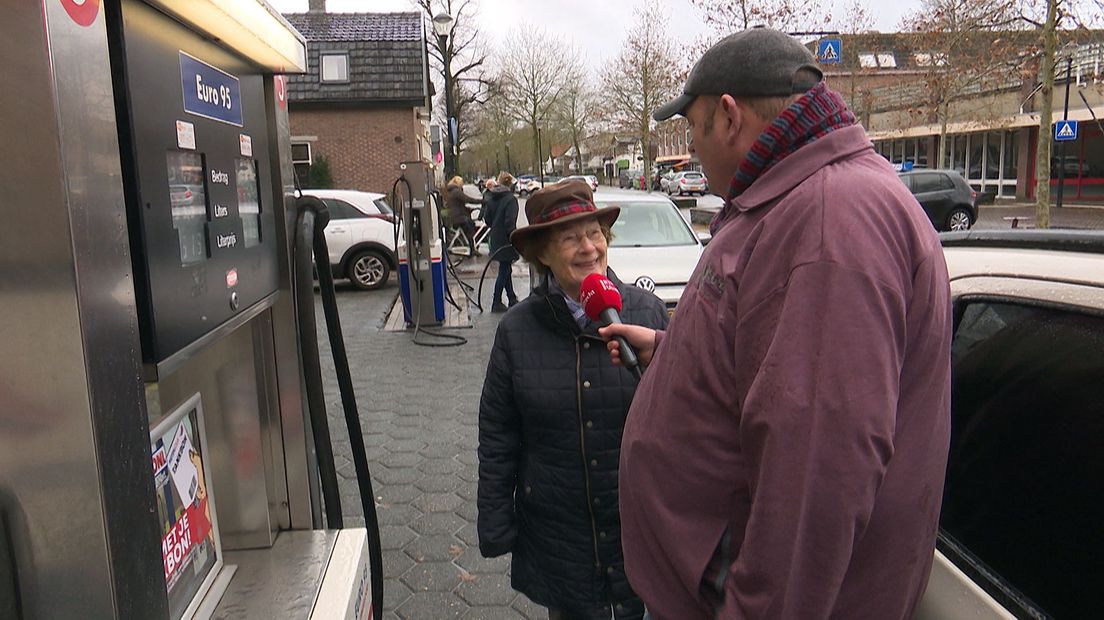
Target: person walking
{"points": [[456, 201], [500, 212], [550, 419], [784, 456]]}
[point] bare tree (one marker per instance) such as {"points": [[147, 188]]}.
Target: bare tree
{"points": [[961, 47], [466, 55], [643, 77], [727, 16], [576, 113], [534, 72], [856, 19]]}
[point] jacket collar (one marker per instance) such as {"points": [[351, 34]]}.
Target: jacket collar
{"points": [[552, 310], [798, 166]]}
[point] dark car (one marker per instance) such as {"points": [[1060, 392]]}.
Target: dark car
{"points": [[946, 197]]}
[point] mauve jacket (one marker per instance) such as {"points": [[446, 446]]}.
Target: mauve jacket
{"points": [[550, 421], [800, 403]]}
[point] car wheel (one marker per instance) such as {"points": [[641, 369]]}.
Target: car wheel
{"points": [[368, 270], [959, 219]]}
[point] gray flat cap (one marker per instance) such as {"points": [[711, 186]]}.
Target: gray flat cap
{"points": [[760, 62]]}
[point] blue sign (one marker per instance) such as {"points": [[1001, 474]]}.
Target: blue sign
{"points": [[828, 51], [1065, 131], [210, 92], [904, 166]]}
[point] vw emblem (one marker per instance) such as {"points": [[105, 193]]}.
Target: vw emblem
{"points": [[646, 283]]}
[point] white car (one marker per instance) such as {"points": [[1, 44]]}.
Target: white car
{"points": [[1020, 528], [360, 236], [653, 246], [590, 180]]}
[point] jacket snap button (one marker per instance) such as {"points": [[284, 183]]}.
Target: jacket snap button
{"points": [[586, 345], [586, 384], [528, 489], [609, 571], [590, 424], [602, 535], [597, 500], [594, 462]]}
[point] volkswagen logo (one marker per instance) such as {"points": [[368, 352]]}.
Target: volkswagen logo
{"points": [[646, 283]]}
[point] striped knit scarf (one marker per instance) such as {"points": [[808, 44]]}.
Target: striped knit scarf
{"points": [[817, 113]]}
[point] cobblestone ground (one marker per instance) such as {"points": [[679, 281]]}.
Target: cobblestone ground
{"points": [[418, 409]]}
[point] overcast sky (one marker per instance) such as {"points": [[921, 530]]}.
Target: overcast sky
{"points": [[597, 27]]}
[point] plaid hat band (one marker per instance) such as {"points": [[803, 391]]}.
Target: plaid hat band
{"points": [[571, 208]]}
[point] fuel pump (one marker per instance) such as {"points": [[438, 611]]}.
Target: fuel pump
{"points": [[157, 458], [420, 249]]}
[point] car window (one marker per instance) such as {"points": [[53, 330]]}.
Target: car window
{"points": [[649, 224], [945, 182], [923, 183], [692, 175], [383, 207], [906, 179], [341, 210], [1025, 474]]}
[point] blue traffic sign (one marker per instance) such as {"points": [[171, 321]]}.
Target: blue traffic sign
{"points": [[828, 51], [1065, 131]]}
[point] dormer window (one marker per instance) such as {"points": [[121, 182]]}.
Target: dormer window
{"points": [[335, 67], [887, 61], [868, 61]]}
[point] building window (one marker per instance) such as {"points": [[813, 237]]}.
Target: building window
{"points": [[887, 61], [335, 67], [301, 153], [868, 61]]}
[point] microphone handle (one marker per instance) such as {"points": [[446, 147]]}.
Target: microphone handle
{"points": [[629, 360]]}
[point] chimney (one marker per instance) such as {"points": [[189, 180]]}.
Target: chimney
{"points": [[317, 6]]}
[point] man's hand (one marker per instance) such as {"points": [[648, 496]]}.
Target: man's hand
{"points": [[641, 338]]}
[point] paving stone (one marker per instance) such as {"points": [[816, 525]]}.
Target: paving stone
{"points": [[468, 511], [405, 445], [438, 523], [440, 483], [395, 593], [473, 562], [433, 577], [396, 494], [468, 534], [468, 457], [528, 608], [399, 460], [432, 606], [396, 536], [435, 451], [484, 590], [395, 563], [438, 502], [493, 613], [434, 548], [439, 466], [401, 475], [397, 514]]}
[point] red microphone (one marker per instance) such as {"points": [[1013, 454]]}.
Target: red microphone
{"points": [[602, 302]]}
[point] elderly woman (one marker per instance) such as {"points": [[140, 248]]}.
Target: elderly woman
{"points": [[457, 212], [551, 417]]}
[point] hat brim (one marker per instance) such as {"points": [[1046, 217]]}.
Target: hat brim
{"points": [[523, 236], [675, 106]]}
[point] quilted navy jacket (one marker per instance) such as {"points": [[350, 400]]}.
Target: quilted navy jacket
{"points": [[550, 422]]}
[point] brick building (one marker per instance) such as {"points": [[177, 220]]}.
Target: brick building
{"points": [[363, 105]]}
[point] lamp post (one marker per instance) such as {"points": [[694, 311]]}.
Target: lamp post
{"points": [[1062, 145], [442, 27]]}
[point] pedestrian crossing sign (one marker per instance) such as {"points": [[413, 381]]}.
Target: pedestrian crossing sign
{"points": [[828, 51], [1065, 131]]}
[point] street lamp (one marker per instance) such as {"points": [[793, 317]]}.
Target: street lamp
{"points": [[442, 27], [1069, 50]]}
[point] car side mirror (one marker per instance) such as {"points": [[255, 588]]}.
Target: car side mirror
{"points": [[704, 237]]}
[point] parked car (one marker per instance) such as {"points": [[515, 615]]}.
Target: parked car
{"points": [[653, 246], [629, 179], [950, 202], [360, 236], [1020, 530], [689, 182], [589, 180], [665, 180], [526, 186]]}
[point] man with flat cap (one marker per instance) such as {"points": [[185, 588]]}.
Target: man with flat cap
{"points": [[784, 455]]}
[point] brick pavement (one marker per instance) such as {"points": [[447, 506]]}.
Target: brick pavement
{"points": [[419, 412]]}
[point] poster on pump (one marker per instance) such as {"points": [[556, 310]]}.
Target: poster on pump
{"points": [[190, 548]]}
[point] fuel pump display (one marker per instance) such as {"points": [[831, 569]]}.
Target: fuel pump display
{"points": [[198, 200]]}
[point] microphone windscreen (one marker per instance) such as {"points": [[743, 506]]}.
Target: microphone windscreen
{"points": [[598, 293]]}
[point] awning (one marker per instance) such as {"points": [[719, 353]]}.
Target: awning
{"points": [[1028, 119]]}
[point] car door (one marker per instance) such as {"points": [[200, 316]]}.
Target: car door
{"points": [[931, 192], [1020, 528], [344, 230]]}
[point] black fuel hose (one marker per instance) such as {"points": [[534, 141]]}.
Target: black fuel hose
{"points": [[312, 367], [308, 205]]}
